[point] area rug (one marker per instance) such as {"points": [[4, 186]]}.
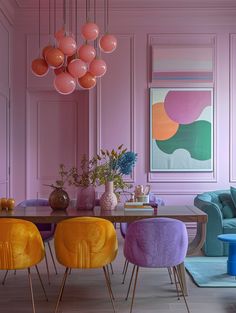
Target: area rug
{"points": [[209, 272]]}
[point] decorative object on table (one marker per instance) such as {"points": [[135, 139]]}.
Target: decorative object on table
{"points": [[83, 178], [7, 203], [73, 64], [111, 167], [59, 199], [142, 193], [181, 129]]}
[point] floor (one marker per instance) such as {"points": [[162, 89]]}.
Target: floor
{"points": [[86, 292]]}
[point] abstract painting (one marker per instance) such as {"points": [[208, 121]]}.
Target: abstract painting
{"points": [[182, 63], [181, 129]]}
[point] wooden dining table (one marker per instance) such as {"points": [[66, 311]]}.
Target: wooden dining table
{"points": [[184, 213]]}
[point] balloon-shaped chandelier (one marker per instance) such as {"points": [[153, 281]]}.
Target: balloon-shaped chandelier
{"points": [[71, 64]]}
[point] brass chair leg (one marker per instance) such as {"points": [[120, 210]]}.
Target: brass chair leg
{"points": [[135, 283], [4, 278], [53, 260], [170, 274], [130, 282], [108, 273], [111, 268], [31, 290], [109, 289], [176, 282], [181, 287], [127, 264], [123, 271], [62, 289], [46, 261], [40, 279]]}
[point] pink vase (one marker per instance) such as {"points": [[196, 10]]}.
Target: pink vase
{"points": [[85, 198], [108, 200]]}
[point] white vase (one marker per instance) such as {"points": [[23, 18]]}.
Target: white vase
{"points": [[108, 200]]}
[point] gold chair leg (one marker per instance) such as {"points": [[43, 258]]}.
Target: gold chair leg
{"points": [[108, 273], [181, 287], [130, 282], [170, 274], [123, 271], [109, 289], [4, 278], [111, 268], [46, 261], [135, 283], [40, 279], [127, 264], [31, 290], [61, 290], [176, 282], [53, 260]]}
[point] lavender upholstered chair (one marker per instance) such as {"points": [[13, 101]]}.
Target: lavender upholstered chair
{"points": [[46, 230], [156, 243], [155, 202]]}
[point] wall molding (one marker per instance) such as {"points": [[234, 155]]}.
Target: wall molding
{"points": [[232, 111], [184, 39], [131, 38]]}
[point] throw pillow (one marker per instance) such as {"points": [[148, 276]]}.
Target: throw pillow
{"points": [[233, 194], [228, 208]]}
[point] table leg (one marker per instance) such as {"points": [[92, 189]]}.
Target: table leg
{"points": [[231, 263], [197, 243]]}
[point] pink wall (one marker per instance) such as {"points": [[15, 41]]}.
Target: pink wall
{"points": [[118, 110]]}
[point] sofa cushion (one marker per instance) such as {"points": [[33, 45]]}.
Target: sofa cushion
{"points": [[228, 208], [233, 194], [229, 226]]}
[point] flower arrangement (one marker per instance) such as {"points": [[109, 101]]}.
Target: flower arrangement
{"points": [[113, 165]]}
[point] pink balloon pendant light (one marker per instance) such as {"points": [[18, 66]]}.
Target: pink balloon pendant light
{"points": [[64, 83], [39, 67], [108, 43], [77, 68], [90, 31], [98, 67], [88, 81], [67, 45], [86, 53]]}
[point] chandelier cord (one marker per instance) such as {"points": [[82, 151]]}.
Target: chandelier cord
{"points": [[54, 7], [64, 14], [39, 17], [49, 20], [76, 20]]}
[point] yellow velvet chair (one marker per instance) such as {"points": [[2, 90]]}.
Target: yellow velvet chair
{"points": [[85, 242], [21, 247]]}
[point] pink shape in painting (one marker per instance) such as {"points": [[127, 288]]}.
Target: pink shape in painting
{"points": [[185, 106]]}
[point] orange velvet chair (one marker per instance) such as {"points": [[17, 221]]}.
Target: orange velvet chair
{"points": [[85, 242], [21, 247]]}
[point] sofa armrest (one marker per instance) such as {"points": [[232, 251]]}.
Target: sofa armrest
{"points": [[212, 246]]}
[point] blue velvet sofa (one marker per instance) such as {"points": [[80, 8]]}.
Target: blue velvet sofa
{"points": [[221, 211]]}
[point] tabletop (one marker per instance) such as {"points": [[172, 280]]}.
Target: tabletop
{"points": [[45, 214]]}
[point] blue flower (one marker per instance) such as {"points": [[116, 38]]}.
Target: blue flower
{"points": [[126, 162]]}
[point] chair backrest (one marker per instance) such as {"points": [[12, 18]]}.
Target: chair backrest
{"points": [[49, 228], [156, 242], [21, 244], [85, 242]]}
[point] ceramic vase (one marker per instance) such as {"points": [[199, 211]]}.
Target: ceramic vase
{"points": [[59, 199], [85, 198], [108, 200]]}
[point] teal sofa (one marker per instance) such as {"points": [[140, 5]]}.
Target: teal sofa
{"points": [[221, 212]]}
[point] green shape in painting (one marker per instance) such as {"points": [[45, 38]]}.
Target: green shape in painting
{"points": [[194, 137]]}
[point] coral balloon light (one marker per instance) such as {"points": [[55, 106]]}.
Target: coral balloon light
{"points": [[64, 83], [108, 43], [67, 45], [39, 67], [54, 58], [87, 53], [98, 67], [90, 31], [77, 68], [88, 81]]}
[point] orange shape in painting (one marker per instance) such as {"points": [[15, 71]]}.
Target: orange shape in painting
{"points": [[163, 127]]}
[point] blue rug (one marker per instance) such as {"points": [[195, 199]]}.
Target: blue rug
{"points": [[209, 272]]}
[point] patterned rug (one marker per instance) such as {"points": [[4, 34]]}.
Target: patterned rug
{"points": [[209, 272]]}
